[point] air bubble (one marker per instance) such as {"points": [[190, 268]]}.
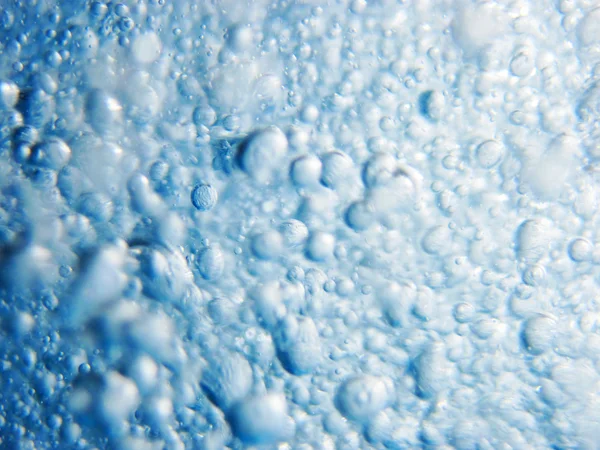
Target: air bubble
{"points": [[204, 115], [306, 171], [262, 152], [320, 246], [359, 216], [489, 153], [437, 241], [267, 245], [362, 397], [379, 170], [336, 168], [581, 250], [262, 420], [534, 275], [211, 263]]}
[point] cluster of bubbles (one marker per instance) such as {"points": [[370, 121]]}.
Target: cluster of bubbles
{"points": [[247, 225]]}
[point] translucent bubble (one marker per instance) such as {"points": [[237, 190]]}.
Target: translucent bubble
{"points": [[534, 275], [489, 153], [522, 64], [380, 169], [306, 171], [580, 250], [267, 245], [240, 38], [52, 153], [98, 10], [464, 312], [211, 263], [336, 168], [320, 246], [262, 152], [362, 397], [262, 420], [437, 241], [204, 197], [359, 216], [204, 115], [104, 113]]}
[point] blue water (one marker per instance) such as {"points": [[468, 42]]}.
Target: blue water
{"points": [[299, 224]]}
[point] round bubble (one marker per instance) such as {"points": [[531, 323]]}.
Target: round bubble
{"points": [[306, 171], [262, 420], [380, 169], [204, 115], [262, 152], [336, 168], [489, 153], [320, 246], [362, 397], [581, 250], [267, 245], [437, 241], [359, 216], [211, 263]]}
